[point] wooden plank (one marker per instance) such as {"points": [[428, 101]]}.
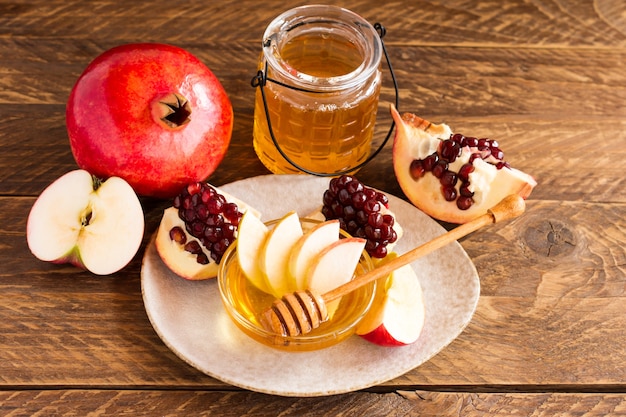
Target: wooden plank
{"points": [[516, 23], [539, 320], [142, 402]]}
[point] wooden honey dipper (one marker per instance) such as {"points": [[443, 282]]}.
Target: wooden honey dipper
{"points": [[300, 312]]}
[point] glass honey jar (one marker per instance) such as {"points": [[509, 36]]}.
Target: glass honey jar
{"points": [[317, 106]]}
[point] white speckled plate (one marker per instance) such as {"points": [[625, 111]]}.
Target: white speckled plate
{"points": [[190, 319]]}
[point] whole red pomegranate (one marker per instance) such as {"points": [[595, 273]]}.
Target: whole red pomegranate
{"points": [[152, 114]]}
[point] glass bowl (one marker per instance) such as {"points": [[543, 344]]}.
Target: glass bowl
{"points": [[244, 304]]}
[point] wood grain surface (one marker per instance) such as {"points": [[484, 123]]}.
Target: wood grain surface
{"points": [[546, 78]]}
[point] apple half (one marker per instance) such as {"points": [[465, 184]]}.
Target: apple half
{"points": [[92, 224], [397, 315]]}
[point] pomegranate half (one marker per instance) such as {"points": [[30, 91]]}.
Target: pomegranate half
{"points": [[152, 114], [451, 177]]}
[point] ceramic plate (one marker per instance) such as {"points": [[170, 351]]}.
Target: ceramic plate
{"points": [[188, 315]]}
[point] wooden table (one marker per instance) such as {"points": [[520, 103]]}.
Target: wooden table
{"points": [[546, 78]]}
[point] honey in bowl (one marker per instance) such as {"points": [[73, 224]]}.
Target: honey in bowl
{"points": [[245, 304], [323, 105]]}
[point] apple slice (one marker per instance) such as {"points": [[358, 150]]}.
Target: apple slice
{"points": [[397, 315], [78, 219], [334, 266], [251, 237], [308, 247], [274, 256]]}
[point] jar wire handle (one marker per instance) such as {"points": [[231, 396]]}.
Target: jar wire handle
{"points": [[261, 78]]}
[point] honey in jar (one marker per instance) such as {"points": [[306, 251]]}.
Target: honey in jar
{"points": [[323, 83]]}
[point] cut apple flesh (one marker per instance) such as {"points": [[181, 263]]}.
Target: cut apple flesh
{"points": [[397, 314], [308, 247], [251, 235], [94, 225], [335, 266]]}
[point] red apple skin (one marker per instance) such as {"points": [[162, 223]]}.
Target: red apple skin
{"points": [[381, 336], [113, 118]]}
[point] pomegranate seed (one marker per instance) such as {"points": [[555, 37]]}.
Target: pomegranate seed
{"points": [[497, 153], [465, 170], [178, 235], [382, 199], [430, 161], [471, 142], [440, 168], [371, 206], [359, 199], [202, 259], [354, 186], [449, 192], [349, 213], [375, 220], [465, 191], [193, 247], [417, 169], [448, 178], [464, 203]]}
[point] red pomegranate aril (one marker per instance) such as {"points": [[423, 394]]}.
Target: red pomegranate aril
{"points": [[440, 168], [450, 150], [354, 186], [202, 259], [448, 178], [457, 137], [417, 169], [337, 209], [375, 220], [382, 199], [344, 196], [372, 232], [178, 235], [353, 228], [202, 212], [430, 161], [465, 191], [464, 203], [358, 200], [474, 156], [471, 142], [371, 206], [389, 219], [449, 192], [465, 170], [193, 247], [349, 213], [361, 217], [497, 153]]}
